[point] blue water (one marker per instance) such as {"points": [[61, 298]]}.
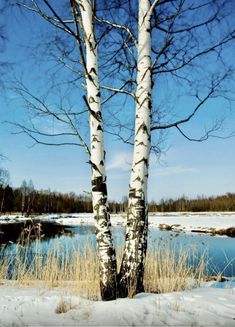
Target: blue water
{"points": [[220, 251]]}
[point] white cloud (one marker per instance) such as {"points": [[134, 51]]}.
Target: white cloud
{"points": [[174, 170], [120, 160]]}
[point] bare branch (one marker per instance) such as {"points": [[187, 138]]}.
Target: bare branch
{"points": [[76, 132], [37, 141], [122, 27], [185, 62], [63, 116], [212, 90], [115, 91], [79, 43], [121, 138], [208, 134], [51, 20], [36, 131], [67, 28], [151, 9]]}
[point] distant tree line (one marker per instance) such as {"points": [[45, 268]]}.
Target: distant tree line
{"points": [[224, 202], [27, 200]]}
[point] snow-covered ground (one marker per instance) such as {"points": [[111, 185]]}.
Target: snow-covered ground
{"points": [[31, 306], [12, 218], [179, 221], [204, 306], [194, 221], [186, 221]]}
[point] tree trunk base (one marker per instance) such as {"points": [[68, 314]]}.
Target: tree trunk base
{"points": [[128, 287], [108, 293]]}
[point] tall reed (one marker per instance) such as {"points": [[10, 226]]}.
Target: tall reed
{"points": [[26, 262]]}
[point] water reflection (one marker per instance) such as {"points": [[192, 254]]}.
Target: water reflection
{"points": [[18, 231]]}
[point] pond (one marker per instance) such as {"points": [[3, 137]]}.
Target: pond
{"points": [[220, 251]]}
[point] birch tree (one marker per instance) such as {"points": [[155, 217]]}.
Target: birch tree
{"points": [[106, 252], [131, 272], [164, 39], [3, 63], [4, 182], [83, 36], [180, 40], [24, 194]]}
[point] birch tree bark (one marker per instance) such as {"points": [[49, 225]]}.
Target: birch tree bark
{"points": [[2, 201], [105, 247], [132, 268]]}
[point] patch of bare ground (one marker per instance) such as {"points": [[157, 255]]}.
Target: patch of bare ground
{"points": [[226, 231], [217, 278]]}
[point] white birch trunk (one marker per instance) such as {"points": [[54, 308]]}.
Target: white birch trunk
{"points": [[3, 199], [132, 268], [105, 248], [23, 203]]}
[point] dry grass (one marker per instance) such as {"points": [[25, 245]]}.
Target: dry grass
{"points": [[73, 269], [64, 306], [166, 270]]}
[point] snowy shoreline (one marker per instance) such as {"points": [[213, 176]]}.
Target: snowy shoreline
{"points": [[186, 221], [203, 222]]}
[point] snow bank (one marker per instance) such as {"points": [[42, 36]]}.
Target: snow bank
{"points": [[201, 222], [177, 221], [12, 218], [189, 222], [30, 306]]}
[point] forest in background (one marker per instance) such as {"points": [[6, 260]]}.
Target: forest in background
{"points": [[27, 200]]}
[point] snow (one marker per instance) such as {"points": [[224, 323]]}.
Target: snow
{"points": [[12, 218], [213, 304], [194, 221], [38, 306], [183, 221]]}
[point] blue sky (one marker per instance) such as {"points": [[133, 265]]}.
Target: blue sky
{"points": [[186, 168]]}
